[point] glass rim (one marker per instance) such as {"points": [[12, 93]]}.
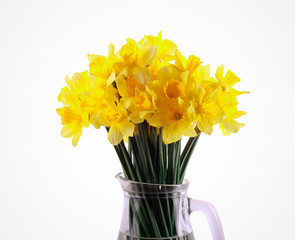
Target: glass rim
{"points": [[143, 187]]}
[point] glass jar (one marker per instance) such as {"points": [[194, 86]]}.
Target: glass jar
{"points": [[162, 211]]}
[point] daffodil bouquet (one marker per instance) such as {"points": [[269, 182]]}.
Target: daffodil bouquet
{"points": [[148, 95]]}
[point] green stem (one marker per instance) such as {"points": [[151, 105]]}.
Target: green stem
{"points": [[173, 162], [161, 159], [186, 155], [141, 215], [123, 162], [162, 217], [142, 158], [136, 160], [144, 143], [128, 161]]}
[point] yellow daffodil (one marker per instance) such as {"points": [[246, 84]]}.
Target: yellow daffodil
{"points": [[137, 58], [78, 92], [128, 85], [135, 98], [201, 74], [73, 117], [196, 73], [176, 117], [166, 47], [229, 124], [165, 53], [207, 112], [228, 81], [78, 85], [101, 97], [140, 106], [228, 102], [80, 105], [114, 116], [171, 84], [101, 68], [150, 81], [189, 65]]}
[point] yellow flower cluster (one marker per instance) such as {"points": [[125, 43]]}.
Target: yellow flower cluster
{"points": [[151, 81]]}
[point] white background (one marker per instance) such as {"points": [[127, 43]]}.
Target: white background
{"points": [[50, 190]]}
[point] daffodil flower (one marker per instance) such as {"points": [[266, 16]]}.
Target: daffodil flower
{"points": [[165, 47], [206, 111], [80, 105], [101, 67], [171, 83], [136, 59], [176, 118], [115, 117], [141, 106], [228, 81], [229, 124], [149, 81], [228, 102], [73, 117]]}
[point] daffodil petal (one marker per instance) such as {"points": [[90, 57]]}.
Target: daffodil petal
{"points": [[60, 111], [141, 74], [94, 121], [158, 119], [139, 116], [231, 78], [127, 128], [188, 130], [115, 136], [91, 57], [121, 85], [219, 73], [200, 93], [77, 135], [237, 114], [180, 61], [69, 130], [171, 134], [167, 49], [61, 97], [147, 55], [111, 78], [232, 125], [111, 50], [204, 125], [85, 119]]}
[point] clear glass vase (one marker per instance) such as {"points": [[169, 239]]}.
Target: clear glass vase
{"points": [[161, 211]]}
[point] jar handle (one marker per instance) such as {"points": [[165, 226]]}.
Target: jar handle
{"points": [[211, 214]]}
